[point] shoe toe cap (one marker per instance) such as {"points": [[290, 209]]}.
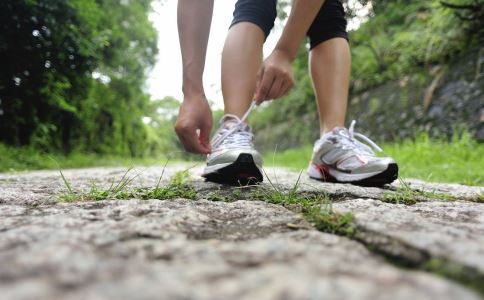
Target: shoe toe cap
{"points": [[229, 156], [379, 165]]}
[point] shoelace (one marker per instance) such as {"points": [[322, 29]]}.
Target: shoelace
{"points": [[361, 146], [240, 138], [235, 135]]}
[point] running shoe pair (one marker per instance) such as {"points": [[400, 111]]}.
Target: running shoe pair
{"points": [[341, 155]]}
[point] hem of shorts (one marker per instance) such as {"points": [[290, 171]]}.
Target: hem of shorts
{"points": [[328, 36], [253, 21]]}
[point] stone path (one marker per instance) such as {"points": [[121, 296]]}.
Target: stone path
{"points": [[241, 249]]}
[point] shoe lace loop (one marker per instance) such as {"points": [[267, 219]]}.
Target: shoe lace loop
{"points": [[354, 136], [234, 136]]}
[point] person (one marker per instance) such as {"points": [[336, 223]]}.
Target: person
{"points": [[339, 155]]}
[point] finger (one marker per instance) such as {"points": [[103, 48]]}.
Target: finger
{"points": [[286, 86], [276, 89], [186, 144], [280, 92], [265, 86], [189, 139], [204, 139], [194, 145]]}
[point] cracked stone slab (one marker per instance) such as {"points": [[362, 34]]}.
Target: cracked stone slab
{"points": [[458, 191], [177, 250], [185, 249], [105, 222], [451, 230], [288, 178], [40, 187]]}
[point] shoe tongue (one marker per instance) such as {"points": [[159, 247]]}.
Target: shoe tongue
{"points": [[340, 131], [230, 122]]}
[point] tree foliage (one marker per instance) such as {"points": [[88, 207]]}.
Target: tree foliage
{"points": [[404, 35], [400, 38], [72, 74]]}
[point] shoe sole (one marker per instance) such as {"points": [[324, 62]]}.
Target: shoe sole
{"points": [[243, 171], [380, 179]]}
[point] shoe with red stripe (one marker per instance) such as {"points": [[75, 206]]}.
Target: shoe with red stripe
{"points": [[345, 156]]}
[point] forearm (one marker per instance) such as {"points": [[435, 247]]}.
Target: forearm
{"points": [[302, 15], [194, 20]]}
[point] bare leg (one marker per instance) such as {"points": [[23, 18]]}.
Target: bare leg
{"points": [[241, 60], [330, 67]]}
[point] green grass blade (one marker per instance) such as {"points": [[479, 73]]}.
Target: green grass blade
{"points": [[122, 178], [66, 182], [161, 176]]}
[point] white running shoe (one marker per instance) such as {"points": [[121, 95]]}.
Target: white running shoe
{"points": [[339, 156], [233, 159]]}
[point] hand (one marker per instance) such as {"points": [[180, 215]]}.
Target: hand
{"points": [[275, 77], [194, 124]]}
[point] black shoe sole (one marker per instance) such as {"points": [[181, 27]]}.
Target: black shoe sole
{"points": [[243, 171], [385, 177]]}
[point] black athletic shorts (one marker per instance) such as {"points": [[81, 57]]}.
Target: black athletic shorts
{"points": [[329, 23]]}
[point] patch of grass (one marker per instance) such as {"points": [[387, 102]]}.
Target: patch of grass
{"points": [[459, 161], [220, 195], [14, 159], [408, 196], [178, 187], [316, 208], [436, 195], [400, 197], [326, 220], [479, 198], [276, 195], [116, 190], [467, 276]]}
